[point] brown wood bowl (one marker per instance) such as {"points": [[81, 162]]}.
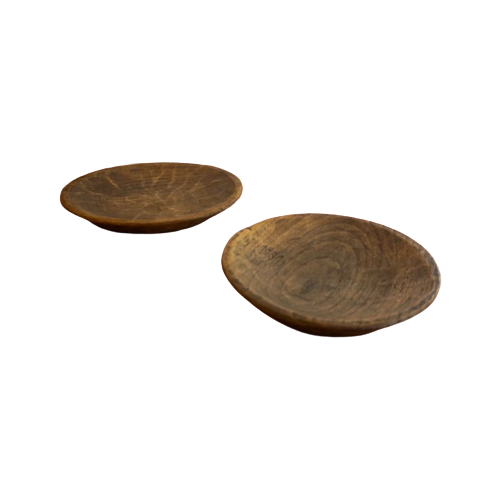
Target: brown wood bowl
{"points": [[331, 275], [151, 197]]}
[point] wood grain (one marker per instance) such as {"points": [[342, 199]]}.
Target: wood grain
{"points": [[331, 275], [151, 197]]}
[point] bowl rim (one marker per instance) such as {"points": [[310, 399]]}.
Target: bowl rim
{"points": [[287, 314], [70, 207]]}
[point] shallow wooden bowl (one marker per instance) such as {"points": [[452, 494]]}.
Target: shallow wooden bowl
{"points": [[331, 275], [151, 197]]}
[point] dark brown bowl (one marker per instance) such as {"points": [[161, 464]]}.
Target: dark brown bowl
{"points": [[151, 197], [331, 275]]}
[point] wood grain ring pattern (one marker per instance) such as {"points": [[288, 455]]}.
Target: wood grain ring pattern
{"points": [[331, 275]]}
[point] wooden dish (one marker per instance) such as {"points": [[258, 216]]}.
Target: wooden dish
{"points": [[151, 197], [331, 275]]}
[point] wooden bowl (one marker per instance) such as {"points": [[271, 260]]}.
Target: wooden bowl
{"points": [[151, 197], [331, 275]]}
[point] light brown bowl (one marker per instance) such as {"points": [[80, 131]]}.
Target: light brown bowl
{"points": [[331, 275], [151, 197]]}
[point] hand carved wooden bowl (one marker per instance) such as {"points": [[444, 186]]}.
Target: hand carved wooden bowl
{"points": [[151, 197], [331, 275]]}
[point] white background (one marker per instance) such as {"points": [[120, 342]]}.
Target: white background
{"points": [[129, 367]]}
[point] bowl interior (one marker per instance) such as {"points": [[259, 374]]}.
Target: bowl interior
{"points": [[331, 268], [150, 192]]}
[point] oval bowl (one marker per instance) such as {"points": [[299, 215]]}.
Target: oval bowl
{"points": [[331, 275], [151, 197]]}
